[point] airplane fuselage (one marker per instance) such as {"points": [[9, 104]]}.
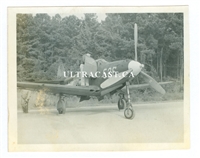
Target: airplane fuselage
{"points": [[104, 68]]}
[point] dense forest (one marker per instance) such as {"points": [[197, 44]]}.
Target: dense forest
{"points": [[44, 42]]}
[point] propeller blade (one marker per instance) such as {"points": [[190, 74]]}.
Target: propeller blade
{"points": [[114, 79], [153, 83], [135, 39]]}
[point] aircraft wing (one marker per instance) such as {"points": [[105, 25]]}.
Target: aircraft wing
{"points": [[143, 86], [59, 81], [65, 89]]}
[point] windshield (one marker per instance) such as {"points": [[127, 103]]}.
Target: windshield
{"points": [[102, 60]]}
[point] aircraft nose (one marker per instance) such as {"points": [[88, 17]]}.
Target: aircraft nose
{"points": [[135, 66]]}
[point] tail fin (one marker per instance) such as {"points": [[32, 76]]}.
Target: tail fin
{"points": [[60, 72]]}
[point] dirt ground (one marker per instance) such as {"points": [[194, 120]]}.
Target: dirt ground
{"points": [[153, 123]]}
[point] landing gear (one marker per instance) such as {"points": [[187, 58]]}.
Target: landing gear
{"points": [[61, 105], [128, 112], [121, 104], [60, 111], [26, 101]]}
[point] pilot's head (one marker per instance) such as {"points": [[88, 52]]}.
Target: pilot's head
{"points": [[88, 54]]}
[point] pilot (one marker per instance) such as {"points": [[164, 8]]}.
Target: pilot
{"points": [[84, 80]]}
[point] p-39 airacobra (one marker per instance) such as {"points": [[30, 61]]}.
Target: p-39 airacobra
{"points": [[101, 85]]}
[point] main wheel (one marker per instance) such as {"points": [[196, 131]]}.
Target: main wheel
{"points": [[60, 111], [25, 108], [61, 107], [121, 104], [129, 113]]}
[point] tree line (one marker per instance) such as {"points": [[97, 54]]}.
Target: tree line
{"points": [[45, 42]]}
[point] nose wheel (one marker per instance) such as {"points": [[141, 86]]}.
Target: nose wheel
{"points": [[128, 112]]}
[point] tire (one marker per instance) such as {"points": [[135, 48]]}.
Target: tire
{"points": [[60, 111], [61, 107], [63, 110], [25, 108], [121, 104], [129, 113]]}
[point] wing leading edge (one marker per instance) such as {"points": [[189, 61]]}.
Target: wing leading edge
{"points": [[65, 89], [143, 86]]}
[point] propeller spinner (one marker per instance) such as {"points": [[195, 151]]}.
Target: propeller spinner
{"points": [[135, 66]]}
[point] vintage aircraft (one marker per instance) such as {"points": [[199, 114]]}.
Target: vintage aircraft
{"points": [[102, 85]]}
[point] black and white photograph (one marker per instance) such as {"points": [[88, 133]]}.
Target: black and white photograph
{"points": [[98, 78]]}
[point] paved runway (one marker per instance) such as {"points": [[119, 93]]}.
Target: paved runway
{"points": [[153, 123]]}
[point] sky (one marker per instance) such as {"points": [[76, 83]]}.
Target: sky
{"points": [[101, 16]]}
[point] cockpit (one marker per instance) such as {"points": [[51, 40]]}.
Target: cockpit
{"points": [[101, 62]]}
